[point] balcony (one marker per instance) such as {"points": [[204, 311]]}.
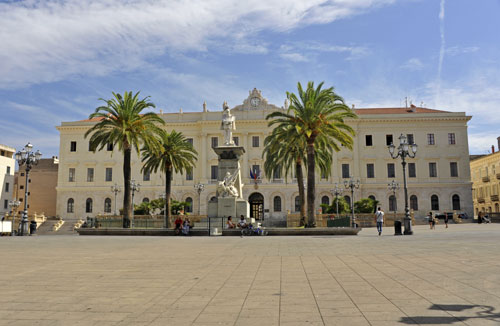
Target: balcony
{"points": [[486, 179], [494, 197], [480, 199], [498, 176], [277, 181]]}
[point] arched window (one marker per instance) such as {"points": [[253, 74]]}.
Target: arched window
{"points": [[213, 199], [348, 200], [414, 202], [107, 205], [455, 201], [145, 200], [70, 208], [88, 205], [325, 200], [372, 197], [277, 203], [393, 203], [297, 204], [434, 203], [189, 207]]}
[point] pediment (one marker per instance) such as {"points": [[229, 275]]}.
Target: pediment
{"points": [[255, 101]]}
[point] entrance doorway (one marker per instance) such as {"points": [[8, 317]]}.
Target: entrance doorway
{"points": [[256, 201]]}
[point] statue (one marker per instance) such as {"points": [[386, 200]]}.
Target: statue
{"points": [[228, 125], [226, 188]]}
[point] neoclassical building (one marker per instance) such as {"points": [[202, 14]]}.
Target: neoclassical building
{"points": [[438, 178]]}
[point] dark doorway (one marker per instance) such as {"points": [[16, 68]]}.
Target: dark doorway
{"points": [[256, 201]]}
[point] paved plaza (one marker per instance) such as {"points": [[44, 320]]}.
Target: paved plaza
{"points": [[441, 277]]}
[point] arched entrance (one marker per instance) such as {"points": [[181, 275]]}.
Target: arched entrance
{"points": [[256, 201]]}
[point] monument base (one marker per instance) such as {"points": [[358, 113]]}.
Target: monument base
{"points": [[231, 206]]}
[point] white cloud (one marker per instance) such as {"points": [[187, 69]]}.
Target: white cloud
{"points": [[295, 57], [456, 50], [413, 64], [304, 51], [46, 41]]}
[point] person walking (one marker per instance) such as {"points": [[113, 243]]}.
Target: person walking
{"points": [[446, 219], [480, 218], [432, 221], [379, 216]]}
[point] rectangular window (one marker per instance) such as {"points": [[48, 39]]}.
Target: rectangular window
{"points": [[90, 174], [5, 204], [73, 146], [370, 170], [7, 186], [109, 147], [215, 142], [410, 139], [388, 140], [109, 174], [8, 170], [189, 175], [21, 187], [433, 170], [71, 177], [214, 172], [190, 141], [451, 139], [146, 176], [345, 171], [277, 174], [22, 174], [256, 171], [236, 141], [391, 170], [430, 139], [255, 141], [453, 169], [412, 170], [369, 140]]}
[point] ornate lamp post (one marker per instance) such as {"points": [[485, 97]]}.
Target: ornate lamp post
{"points": [[28, 158], [199, 187], [393, 187], [116, 189], [336, 192], [352, 184], [135, 187], [404, 150]]}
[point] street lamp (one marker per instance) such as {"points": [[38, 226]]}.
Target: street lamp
{"points": [[135, 187], [336, 192], [199, 187], [28, 158], [352, 184], [404, 150], [116, 189], [393, 186]]}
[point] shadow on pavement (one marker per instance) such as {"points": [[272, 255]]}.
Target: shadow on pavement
{"points": [[485, 312]]}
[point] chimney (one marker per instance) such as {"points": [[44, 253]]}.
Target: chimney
{"points": [[492, 149]]}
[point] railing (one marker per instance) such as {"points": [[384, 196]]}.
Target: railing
{"points": [[480, 199], [498, 175], [486, 179], [494, 197]]}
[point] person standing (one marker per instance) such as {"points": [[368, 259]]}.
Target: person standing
{"points": [[446, 219], [480, 218], [379, 216], [432, 221]]}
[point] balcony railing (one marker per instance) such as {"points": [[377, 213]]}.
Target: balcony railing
{"points": [[480, 199], [498, 176], [486, 179], [494, 197]]}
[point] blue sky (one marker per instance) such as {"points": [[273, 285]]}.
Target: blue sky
{"points": [[58, 57]]}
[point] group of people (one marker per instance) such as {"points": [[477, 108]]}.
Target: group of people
{"points": [[242, 224], [481, 218], [432, 220], [182, 226]]}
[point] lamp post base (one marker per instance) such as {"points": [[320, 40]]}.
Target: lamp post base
{"points": [[24, 227], [408, 230]]}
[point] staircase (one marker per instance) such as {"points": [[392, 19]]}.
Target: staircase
{"points": [[47, 228]]}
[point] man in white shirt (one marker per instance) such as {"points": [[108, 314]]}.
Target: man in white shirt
{"points": [[379, 215]]}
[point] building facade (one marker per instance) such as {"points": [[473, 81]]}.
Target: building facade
{"points": [[42, 196], [7, 168], [436, 177], [485, 175]]}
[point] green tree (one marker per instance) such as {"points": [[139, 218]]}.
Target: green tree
{"points": [[176, 154], [318, 116], [284, 151], [365, 205], [332, 209], [178, 206], [122, 123]]}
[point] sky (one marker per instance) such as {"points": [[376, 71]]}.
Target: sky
{"points": [[57, 58]]}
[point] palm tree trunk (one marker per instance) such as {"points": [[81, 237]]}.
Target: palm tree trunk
{"points": [[168, 190], [127, 195], [300, 182], [311, 186]]}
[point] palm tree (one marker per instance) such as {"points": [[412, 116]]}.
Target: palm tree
{"points": [[176, 154], [284, 150], [318, 117], [122, 123]]}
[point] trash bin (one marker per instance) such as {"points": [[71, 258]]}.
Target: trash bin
{"points": [[32, 227], [397, 228]]}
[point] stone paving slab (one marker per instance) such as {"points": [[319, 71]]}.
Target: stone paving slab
{"points": [[435, 277]]}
